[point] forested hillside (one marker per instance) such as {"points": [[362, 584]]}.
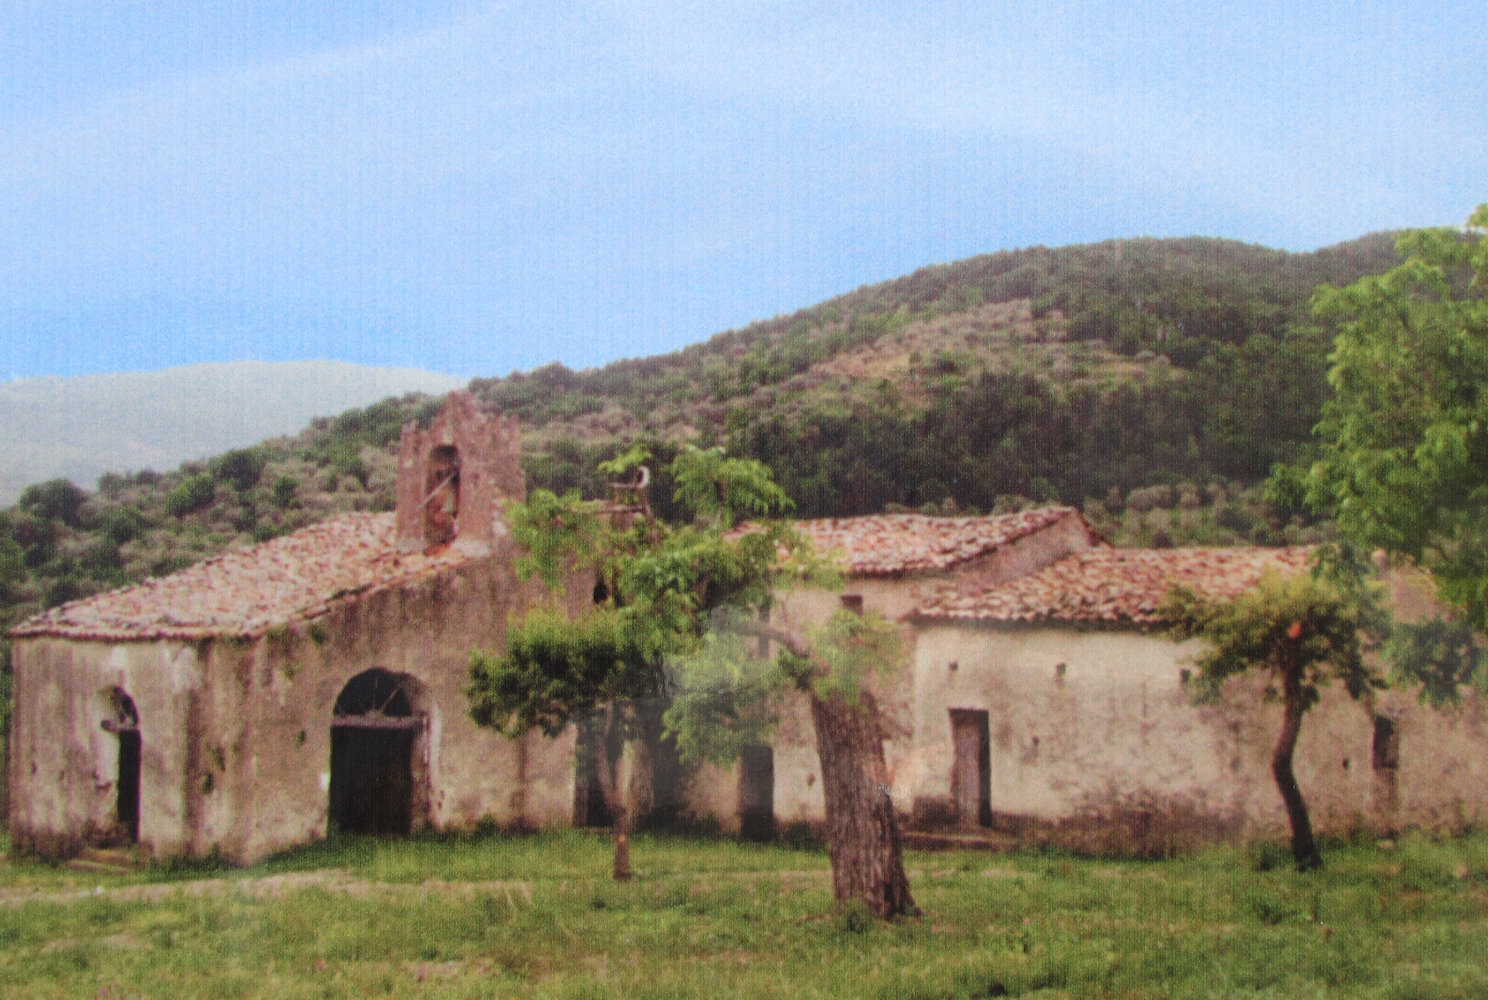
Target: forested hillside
{"points": [[1081, 372], [1154, 382]]}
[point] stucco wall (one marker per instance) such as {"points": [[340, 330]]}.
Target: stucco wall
{"points": [[236, 734], [424, 630], [798, 797], [1089, 726], [64, 766], [798, 794]]}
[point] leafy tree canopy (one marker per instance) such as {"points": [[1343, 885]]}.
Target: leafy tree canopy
{"points": [[1304, 629], [1405, 459], [676, 608]]}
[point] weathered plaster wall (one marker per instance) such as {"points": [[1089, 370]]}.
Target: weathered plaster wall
{"points": [[1114, 734], [236, 734], [284, 690], [798, 795], [64, 766]]}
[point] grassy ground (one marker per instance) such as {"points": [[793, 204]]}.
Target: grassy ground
{"points": [[536, 917]]}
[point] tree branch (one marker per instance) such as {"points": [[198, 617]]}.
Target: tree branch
{"points": [[793, 642]]}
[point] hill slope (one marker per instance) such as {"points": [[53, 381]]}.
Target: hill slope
{"points": [[1153, 382], [78, 428], [1065, 373]]}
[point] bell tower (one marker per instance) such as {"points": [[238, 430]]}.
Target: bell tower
{"points": [[455, 477]]}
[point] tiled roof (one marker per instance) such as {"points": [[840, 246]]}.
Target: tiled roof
{"points": [[890, 544], [1118, 585], [247, 591]]}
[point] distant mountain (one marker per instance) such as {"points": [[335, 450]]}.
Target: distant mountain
{"points": [[79, 428]]}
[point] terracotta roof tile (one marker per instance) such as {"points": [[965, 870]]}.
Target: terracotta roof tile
{"points": [[1118, 585], [890, 544], [246, 591]]}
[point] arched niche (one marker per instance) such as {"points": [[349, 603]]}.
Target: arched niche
{"points": [[442, 495]]}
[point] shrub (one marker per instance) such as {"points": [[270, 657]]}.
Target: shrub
{"points": [[241, 467], [54, 500], [123, 525], [285, 491], [191, 495]]}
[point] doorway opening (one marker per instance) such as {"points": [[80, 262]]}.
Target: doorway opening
{"points": [[377, 755], [589, 806], [123, 722], [971, 769], [757, 793]]}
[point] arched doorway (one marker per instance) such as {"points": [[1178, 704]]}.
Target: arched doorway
{"points": [[378, 774], [123, 721]]}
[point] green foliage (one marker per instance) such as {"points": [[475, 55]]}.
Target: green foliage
{"points": [[1286, 491], [1439, 656], [1405, 459], [285, 491], [556, 669], [1246, 633], [727, 699], [659, 582], [552, 531], [853, 648], [240, 468], [192, 495], [720, 490], [54, 500], [1145, 362], [626, 461], [122, 524]]}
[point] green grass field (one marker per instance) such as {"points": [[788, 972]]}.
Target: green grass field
{"points": [[537, 917]]}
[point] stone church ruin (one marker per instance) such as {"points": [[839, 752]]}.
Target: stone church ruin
{"points": [[263, 698]]}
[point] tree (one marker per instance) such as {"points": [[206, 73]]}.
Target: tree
{"points": [[557, 670], [662, 589], [653, 591], [722, 706], [1307, 631], [1405, 436], [54, 500]]}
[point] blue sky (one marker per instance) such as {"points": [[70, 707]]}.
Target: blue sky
{"points": [[480, 187]]}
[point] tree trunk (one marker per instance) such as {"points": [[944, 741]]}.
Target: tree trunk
{"points": [[614, 789], [1304, 848], [862, 832]]}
